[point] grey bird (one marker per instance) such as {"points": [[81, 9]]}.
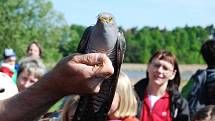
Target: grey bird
{"points": [[103, 37]]}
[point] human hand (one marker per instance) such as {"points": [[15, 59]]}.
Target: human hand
{"points": [[80, 74]]}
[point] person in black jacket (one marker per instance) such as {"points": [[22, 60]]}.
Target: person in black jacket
{"points": [[159, 98], [200, 90]]}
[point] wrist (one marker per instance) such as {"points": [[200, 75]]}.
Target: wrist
{"points": [[50, 86]]}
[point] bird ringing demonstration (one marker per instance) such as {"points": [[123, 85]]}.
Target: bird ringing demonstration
{"points": [[103, 37]]}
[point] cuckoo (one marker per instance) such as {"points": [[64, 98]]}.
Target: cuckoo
{"points": [[103, 37]]}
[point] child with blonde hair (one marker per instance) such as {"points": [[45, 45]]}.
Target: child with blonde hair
{"points": [[124, 105]]}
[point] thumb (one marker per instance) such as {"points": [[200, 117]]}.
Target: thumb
{"points": [[104, 67]]}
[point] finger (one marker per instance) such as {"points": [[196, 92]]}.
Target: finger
{"points": [[99, 64], [104, 68], [90, 59]]}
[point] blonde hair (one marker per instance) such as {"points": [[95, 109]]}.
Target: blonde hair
{"points": [[32, 66], [71, 103], [128, 102]]}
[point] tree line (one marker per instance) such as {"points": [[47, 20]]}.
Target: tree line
{"points": [[23, 21]]}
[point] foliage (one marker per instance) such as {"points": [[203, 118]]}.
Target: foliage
{"points": [[70, 45], [23, 21], [184, 42]]}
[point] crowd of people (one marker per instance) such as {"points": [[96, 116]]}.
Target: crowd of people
{"points": [[153, 98]]}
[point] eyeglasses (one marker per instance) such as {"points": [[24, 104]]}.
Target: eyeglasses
{"points": [[166, 68]]}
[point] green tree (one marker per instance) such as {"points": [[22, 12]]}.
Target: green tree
{"points": [[22, 21], [70, 46], [184, 42]]}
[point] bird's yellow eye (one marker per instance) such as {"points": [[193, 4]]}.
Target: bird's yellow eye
{"points": [[110, 20], [102, 19], [106, 20]]}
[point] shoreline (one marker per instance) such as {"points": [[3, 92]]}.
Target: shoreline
{"points": [[142, 67]]}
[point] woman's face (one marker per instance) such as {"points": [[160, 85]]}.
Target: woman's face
{"points": [[160, 71], [25, 80], [34, 51]]}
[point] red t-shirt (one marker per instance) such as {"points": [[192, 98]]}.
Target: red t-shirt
{"points": [[160, 111], [6, 71]]}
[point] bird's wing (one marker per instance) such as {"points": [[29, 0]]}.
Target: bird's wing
{"points": [[110, 84], [103, 100], [96, 107], [84, 40], [122, 45]]}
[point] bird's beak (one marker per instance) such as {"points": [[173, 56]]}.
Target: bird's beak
{"points": [[103, 20]]}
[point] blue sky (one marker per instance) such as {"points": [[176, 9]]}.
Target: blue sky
{"points": [[140, 13]]}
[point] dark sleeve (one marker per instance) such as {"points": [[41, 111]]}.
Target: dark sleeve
{"points": [[139, 88], [187, 88], [183, 113], [196, 96]]}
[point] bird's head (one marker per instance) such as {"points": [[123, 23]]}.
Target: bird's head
{"points": [[105, 33], [106, 18]]}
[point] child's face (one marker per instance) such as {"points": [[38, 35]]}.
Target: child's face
{"points": [[11, 60], [25, 80]]}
